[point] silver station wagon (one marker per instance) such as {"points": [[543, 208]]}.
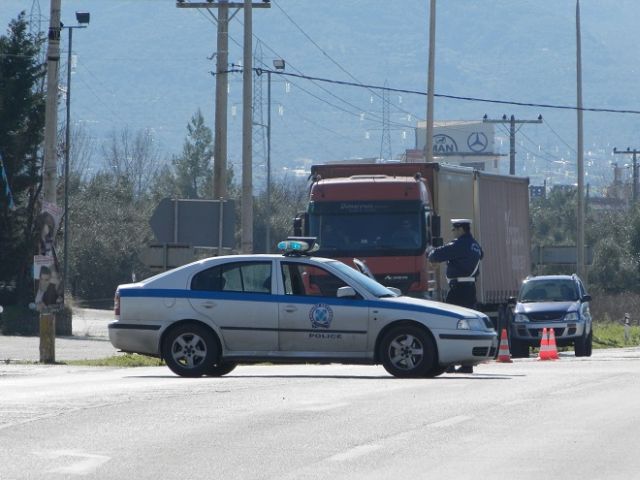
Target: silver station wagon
{"points": [[209, 316]]}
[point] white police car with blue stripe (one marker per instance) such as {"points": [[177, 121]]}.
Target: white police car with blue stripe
{"points": [[211, 315]]}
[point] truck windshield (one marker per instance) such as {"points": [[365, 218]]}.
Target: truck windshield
{"points": [[399, 233]]}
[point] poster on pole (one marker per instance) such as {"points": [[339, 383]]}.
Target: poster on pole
{"points": [[48, 283], [48, 286], [47, 224]]}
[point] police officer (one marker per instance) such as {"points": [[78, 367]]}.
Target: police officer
{"points": [[463, 256]]}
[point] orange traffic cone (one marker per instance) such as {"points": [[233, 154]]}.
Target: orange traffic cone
{"points": [[543, 353], [553, 349], [504, 356]]}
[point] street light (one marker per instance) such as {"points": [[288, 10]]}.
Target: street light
{"points": [[83, 20], [278, 64]]}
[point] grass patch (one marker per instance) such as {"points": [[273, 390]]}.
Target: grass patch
{"points": [[127, 360], [611, 335]]}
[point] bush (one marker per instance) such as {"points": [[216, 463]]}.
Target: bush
{"points": [[21, 320]]}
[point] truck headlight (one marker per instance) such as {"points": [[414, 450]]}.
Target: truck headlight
{"points": [[520, 318], [572, 317]]}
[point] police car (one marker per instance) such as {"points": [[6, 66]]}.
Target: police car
{"points": [[211, 315]]}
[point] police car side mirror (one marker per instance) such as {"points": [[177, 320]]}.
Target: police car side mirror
{"points": [[511, 301], [346, 292], [586, 298], [395, 290]]}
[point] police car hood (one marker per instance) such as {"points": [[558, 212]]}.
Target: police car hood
{"points": [[430, 306]]}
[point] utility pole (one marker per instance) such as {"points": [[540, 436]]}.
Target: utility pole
{"points": [[48, 319], [430, 81], [634, 185], [220, 139], [580, 267], [246, 211], [512, 136]]}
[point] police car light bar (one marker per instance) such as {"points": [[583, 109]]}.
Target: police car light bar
{"points": [[298, 245]]}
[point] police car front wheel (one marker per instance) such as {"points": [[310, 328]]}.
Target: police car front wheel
{"points": [[407, 351], [190, 350]]}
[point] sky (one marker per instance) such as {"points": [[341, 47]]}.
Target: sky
{"points": [[146, 65]]}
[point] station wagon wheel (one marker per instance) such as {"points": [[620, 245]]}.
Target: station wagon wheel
{"points": [[190, 350], [408, 351]]}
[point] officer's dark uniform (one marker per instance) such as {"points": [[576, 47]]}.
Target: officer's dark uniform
{"points": [[463, 256]]}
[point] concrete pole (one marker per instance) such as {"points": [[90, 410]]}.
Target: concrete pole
{"points": [[580, 147], [67, 151], [431, 80], [247, 154], [512, 145], [267, 248], [51, 106], [222, 82], [49, 179]]}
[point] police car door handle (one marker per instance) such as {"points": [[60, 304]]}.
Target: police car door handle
{"points": [[290, 308], [209, 304]]}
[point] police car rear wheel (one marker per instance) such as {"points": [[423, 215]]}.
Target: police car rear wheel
{"points": [[190, 350], [407, 351]]}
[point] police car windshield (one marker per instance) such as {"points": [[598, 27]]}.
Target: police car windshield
{"points": [[369, 284]]}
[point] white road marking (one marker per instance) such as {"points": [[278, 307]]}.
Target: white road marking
{"points": [[87, 462], [323, 407], [450, 421], [355, 452]]}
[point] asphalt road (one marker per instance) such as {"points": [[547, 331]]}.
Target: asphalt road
{"points": [[574, 418]]}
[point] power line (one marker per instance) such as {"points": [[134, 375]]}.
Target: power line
{"points": [[332, 59], [456, 97]]}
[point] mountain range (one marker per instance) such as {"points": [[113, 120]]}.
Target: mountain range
{"points": [[146, 65]]}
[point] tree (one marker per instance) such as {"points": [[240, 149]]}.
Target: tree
{"points": [[133, 158], [193, 171], [22, 105], [288, 198]]}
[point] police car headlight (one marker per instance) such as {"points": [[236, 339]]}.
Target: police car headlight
{"points": [[463, 324], [572, 317], [471, 324], [520, 318]]}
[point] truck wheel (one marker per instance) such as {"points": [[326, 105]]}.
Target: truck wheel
{"points": [[190, 350], [519, 349], [408, 351]]}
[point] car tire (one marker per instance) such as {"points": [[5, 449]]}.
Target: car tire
{"points": [[519, 349], [580, 345], [583, 346], [190, 350], [436, 371], [220, 369], [408, 351]]}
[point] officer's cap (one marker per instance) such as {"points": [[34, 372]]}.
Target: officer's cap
{"points": [[458, 222]]}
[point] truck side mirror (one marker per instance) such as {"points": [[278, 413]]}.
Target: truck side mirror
{"points": [[435, 226], [297, 226]]}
